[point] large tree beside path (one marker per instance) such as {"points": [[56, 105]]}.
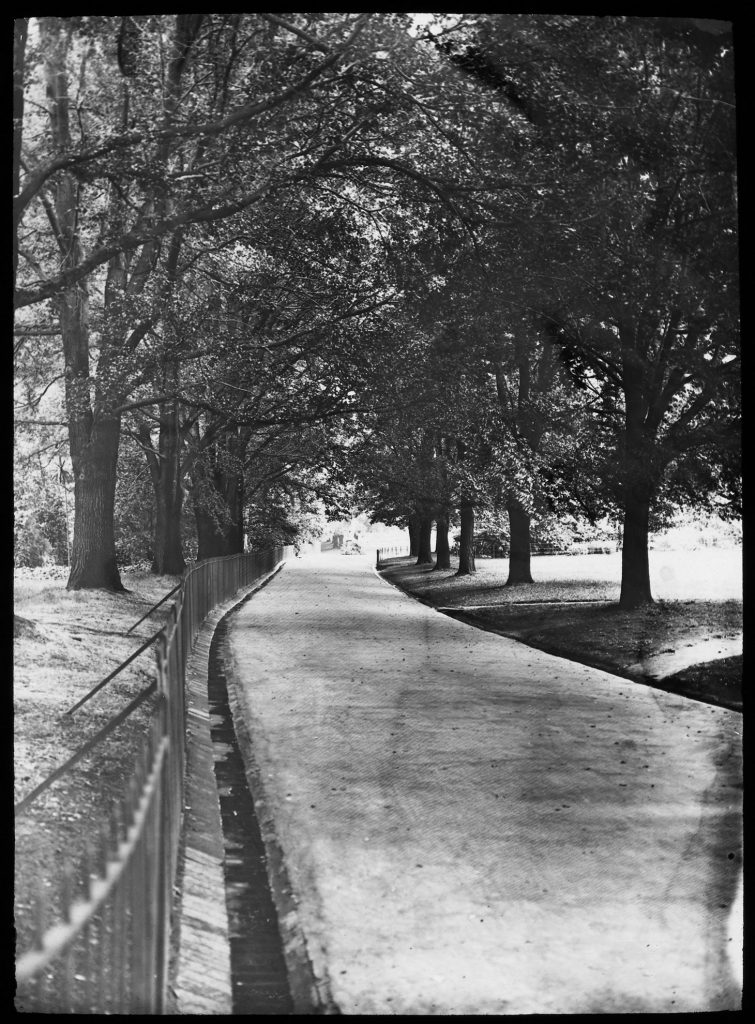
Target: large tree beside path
{"points": [[187, 134], [191, 131], [247, 225], [656, 330], [636, 272]]}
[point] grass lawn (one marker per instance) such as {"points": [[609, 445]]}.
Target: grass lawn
{"points": [[572, 611], [64, 643]]}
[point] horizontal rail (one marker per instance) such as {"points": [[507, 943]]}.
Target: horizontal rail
{"points": [[59, 937], [155, 607], [108, 951], [84, 750], [112, 675]]}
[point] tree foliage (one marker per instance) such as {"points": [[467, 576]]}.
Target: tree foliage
{"points": [[469, 261]]}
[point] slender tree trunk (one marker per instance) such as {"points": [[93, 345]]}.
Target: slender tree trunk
{"points": [[168, 554], [635, 563], [235, 499], [519, 544], [466, 543], [425, 554], [413, 526], [20, 27], [442, 550], [165, 470]]}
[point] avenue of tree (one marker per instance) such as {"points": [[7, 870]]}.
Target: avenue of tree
{"points": [[438, 268]]}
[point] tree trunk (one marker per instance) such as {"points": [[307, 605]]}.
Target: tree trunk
{"points": [[168, 559], [413, 526], [442, 550], [235, 498], [519, 544], [93, 428], [216, 538], [93, 562], [635, 565], [213, 540], [168, 554], [466, 543], [93, 436], [21, 26], [165, 470], [93, 433], [424, 553], [639, 476]]}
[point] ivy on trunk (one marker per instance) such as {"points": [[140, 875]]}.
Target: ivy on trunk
{"points": [[219, 514]]}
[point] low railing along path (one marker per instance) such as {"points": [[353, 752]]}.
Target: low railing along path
{"points": [[103, 945], [468, 825]]}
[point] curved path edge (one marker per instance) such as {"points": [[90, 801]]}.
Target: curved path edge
{"points": [[310, 988], [650, 673]]}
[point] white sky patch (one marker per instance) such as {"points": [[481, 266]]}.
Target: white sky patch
{"points": [[419, 21]]}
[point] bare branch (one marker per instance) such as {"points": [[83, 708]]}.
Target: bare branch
{"points": [[141, 403], [312, 40], [40, 423]]}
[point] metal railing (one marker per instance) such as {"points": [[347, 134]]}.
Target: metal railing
{"points": [[108, 950], [402, 551]]}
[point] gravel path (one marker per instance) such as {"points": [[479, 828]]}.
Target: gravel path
{"points": [[472, 826]]}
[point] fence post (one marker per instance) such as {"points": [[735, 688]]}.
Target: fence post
{"points": [[123, 953], [162, 885]]}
